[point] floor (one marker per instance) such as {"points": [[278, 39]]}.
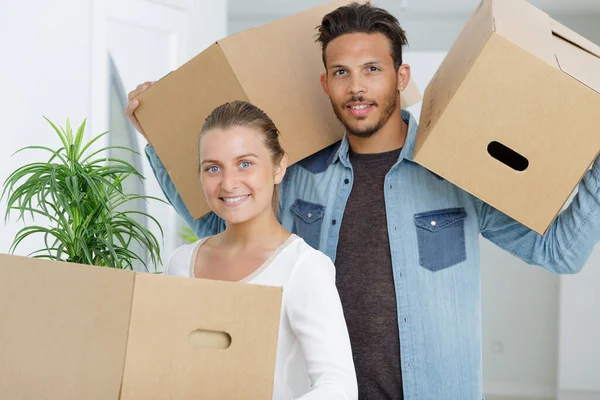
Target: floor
{"points": [[563, 396], [514, 398]]}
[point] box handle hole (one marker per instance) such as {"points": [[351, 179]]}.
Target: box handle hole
{"points": [[507, 156], [206, 339]]}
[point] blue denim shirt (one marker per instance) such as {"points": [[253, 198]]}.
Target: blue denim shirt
{"points": [[434, 230]]}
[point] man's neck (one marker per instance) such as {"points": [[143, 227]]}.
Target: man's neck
{"points": [[390, 137]]}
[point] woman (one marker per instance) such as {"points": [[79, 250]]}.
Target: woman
{"points": [[241, 164]]}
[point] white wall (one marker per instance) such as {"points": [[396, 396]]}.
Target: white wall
{"points": [[579, 334], [54, 63], [423, 65], [430, 32], [39, 76], [520, 325]]}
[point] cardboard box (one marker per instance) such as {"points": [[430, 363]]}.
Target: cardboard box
{"points": [[276, 67], [511, 115], [71, 331]]}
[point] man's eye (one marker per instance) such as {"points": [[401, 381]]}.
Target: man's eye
{"points": [[340, 72]]}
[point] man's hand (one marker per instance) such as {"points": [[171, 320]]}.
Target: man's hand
{"points": [[133, 105]]}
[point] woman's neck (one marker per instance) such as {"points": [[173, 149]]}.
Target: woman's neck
{"points": [[262, 231]]}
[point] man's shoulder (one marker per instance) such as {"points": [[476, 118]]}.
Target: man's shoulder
{"points": [[319, 162]]}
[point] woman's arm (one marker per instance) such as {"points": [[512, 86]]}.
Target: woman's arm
{"points": [[315, 312]]}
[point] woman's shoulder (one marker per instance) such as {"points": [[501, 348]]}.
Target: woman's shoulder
{"points": [[180, 260], [307, 258], [312, 274]]}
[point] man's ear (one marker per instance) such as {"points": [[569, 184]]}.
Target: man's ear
{"points": [[403, 76]]}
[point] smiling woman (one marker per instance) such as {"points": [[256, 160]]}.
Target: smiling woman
{"points": [[241, 164]]}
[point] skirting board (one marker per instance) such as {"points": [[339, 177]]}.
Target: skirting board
{"points": [[503, 389], [576, 395], [509, 389]]}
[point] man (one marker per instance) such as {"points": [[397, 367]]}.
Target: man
{"points": [[404, 241]]}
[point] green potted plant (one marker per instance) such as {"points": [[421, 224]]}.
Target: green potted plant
{"points": [[187, 235], [81, 196]]}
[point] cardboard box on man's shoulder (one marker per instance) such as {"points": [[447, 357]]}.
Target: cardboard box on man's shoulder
{"points": [[511, 116], [275, 67], [70, 331]]}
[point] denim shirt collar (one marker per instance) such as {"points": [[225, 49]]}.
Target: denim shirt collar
{"points": [[343, 152]]}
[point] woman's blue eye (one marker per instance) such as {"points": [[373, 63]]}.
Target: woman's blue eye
{"points": [[213, 169], [245, 164]]}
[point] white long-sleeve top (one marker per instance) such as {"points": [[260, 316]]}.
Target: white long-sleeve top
{"points": [[314, 357]]}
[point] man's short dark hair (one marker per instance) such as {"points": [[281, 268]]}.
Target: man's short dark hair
{"points": [[362, 18]]}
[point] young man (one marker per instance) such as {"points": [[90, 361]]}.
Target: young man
{"points": [[404, 241]]}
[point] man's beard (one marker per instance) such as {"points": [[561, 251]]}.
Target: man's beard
{"points": [[369, 131]]}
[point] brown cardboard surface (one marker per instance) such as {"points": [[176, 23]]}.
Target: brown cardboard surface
{"points": [[162, 347], [520, 99], [63, 329], [71, 331], [275, 66], [455, 67]]}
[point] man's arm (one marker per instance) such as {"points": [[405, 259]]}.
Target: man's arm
{"points": [[570, 239]]}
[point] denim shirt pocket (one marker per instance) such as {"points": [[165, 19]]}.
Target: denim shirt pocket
{"points": [[308, 219], [441, 238]]}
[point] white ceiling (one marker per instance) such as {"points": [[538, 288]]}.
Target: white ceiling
{"points": [[250, 8]]}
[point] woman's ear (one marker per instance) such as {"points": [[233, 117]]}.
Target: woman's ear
{"points": [[280, 169]]}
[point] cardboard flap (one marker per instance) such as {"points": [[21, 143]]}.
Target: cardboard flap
{"points": [[166, 316], [525, 26], [576, 56], [63, 329], [573, 37]]}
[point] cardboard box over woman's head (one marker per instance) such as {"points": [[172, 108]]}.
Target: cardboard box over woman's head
{"points": [[275, 67]]}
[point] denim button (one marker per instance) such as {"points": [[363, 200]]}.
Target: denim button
{"points": [[433, 223], [333, 222], [309, 215], [346, 181]]}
